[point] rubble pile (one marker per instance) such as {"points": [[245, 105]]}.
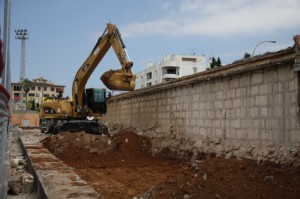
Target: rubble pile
{"points": [[20, 181]]}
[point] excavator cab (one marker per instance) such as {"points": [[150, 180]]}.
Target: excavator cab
{"points": [[96, 100]]}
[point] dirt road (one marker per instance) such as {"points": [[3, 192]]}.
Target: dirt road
{"points": [[125, 166]]}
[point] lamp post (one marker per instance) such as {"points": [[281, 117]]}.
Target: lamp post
{"points": [[261, 43]]}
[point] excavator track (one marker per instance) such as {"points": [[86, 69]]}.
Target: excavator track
{"points": [[89, 126]]}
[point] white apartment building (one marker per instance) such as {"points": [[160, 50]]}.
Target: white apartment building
{"points": [[169, 68]]}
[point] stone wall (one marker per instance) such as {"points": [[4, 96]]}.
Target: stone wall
{"points": [[248, 109]]}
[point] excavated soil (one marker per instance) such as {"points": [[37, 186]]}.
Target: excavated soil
{"points": [[124, 166]]}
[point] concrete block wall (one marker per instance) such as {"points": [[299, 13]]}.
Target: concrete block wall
{"points": [[249, 110], [252, 107]]}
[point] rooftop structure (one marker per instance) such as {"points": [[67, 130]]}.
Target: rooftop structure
{"points": [[169, 68]]}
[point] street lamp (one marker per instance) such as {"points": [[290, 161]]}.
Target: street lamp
{"points": [[261, 43]]}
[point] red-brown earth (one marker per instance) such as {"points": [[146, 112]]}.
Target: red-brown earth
{"points": [[124, 166]]}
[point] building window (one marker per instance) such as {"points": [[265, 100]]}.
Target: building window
{"points": [[52, 88], [149, 84], [45, 88], [39, 88], [17, 88], [46, 95], [189, 59], [59, 90], [195, 70], [149, 76], [171, 70], [38, 95], [16, 96], [32, 88], [31, 94]]}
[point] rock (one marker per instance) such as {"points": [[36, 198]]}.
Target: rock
{"points": [[269, 178], [194, 164], [23, 162], [15, 185], [186, 195], [27, 183], [15, 162]]}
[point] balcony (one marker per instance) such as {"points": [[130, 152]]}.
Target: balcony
{"points": [[172, 76]]}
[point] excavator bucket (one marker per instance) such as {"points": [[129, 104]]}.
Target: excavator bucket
{"points": [[117, 80]]}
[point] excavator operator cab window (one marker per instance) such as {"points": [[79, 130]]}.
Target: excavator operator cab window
{"points": [[96, 100]]}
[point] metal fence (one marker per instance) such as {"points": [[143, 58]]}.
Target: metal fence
{"points": [[4, 142]]}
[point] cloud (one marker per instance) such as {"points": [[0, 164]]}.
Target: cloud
{"points": [[165, 5], [219, 18]]}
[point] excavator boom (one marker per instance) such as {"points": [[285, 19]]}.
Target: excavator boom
{"points": [[121, 79]]}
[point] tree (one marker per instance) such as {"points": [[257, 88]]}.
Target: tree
{"points": [[247, 55], [37, 106], [33, 105], [26, 85], [219, 63], [213, 62]]}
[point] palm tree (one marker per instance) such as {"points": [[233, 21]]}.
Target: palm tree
{"points": [[26, 85]]}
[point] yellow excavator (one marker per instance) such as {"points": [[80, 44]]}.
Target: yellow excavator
{"points": [[89, 104]]}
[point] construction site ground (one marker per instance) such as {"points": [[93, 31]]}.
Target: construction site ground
{"points": [[125, 166]]}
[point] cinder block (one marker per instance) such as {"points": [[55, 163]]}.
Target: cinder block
{"points": [[245, 80], [241, 134], [261, 100], [236, 123], [257, 77], [220, 132], [254, 90], [263, 89]]}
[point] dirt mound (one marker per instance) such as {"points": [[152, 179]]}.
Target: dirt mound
{"points": [[76, 147], [124, 166]]}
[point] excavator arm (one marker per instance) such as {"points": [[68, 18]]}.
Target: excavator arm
{"points": [[121, 79]]}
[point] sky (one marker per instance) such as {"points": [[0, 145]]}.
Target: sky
{"points": [[62, 33]]}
